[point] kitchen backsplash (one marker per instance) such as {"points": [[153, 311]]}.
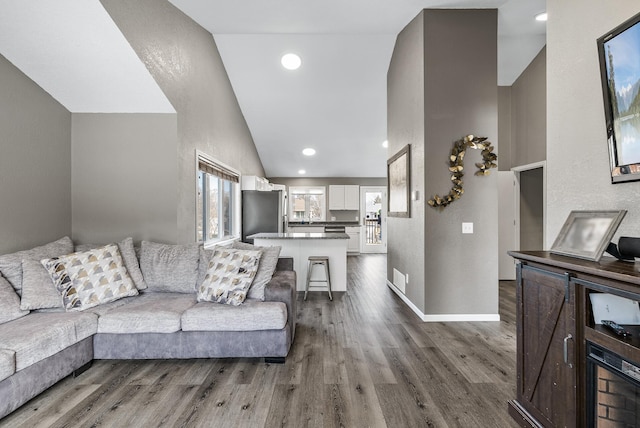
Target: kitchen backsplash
{"points": [[343, 215]]}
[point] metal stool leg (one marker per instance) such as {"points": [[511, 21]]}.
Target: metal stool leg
{"points": [[306, 288], [326, 270]]}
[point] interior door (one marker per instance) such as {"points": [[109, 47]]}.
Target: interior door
{"points": [[373, 224]]}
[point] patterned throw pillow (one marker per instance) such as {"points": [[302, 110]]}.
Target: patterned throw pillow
{"points": [[268, 262], [229, 276], [90, 278]]}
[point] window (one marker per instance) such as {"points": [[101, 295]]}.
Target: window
{"points": [[307, 203], [217, 203]]}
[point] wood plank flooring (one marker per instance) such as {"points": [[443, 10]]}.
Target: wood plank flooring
{"points": [[363, 360]]}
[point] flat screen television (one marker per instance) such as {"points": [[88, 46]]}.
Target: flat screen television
{"points": [[619, 53]]}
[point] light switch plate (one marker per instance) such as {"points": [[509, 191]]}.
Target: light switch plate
{"points": [[467, 227]]}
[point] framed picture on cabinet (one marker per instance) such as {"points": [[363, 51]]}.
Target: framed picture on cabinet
{"points": [[586, 234], [399, 183]]}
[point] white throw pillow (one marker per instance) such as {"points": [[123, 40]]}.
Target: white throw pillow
{"points": [[229, 276], [90, 278]]}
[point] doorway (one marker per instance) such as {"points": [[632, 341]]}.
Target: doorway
{"points": [[373, 210], [521, 213], [531, 212]]}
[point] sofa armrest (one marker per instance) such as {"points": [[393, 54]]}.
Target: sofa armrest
{"points": [[282, 288], [284, 263]]}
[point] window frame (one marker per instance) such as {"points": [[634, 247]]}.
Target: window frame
{"points": [[307, 190], [203, 203]]}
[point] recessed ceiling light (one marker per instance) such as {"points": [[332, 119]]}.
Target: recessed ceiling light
{"points": [[302, 171], [291, 61], [385, 143], [309, 151], [541, 16]]}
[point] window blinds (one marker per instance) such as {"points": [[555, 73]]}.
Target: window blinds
{"points": [[217, 170]]}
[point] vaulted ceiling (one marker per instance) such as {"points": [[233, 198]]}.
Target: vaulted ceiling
{"points": [[335, 103]]}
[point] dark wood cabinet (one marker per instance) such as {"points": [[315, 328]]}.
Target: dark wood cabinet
{"points": [[554, 326], [546, 363]]}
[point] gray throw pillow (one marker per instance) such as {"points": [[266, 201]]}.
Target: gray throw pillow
{"points": [[268, 262], [129, 258], [38, 290], [9, 303], [169, 268], [11, 264]]}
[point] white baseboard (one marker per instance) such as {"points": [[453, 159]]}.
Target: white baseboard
{"points": [[404, 298], [442, 317]]}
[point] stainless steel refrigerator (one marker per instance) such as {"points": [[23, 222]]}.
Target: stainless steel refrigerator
{"points": [[263, 212]]}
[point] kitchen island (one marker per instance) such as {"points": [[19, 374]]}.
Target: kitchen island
{"points": [[302, 245]]}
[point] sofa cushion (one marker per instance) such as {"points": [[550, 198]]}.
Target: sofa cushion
{"points": [[129, 257], [268, 262], [38, 290], [90, 278], [11, 264], [9, 303], [169, 268], [41, 335], [252, 315], [148, 313], [229, 276], [7, 363]]}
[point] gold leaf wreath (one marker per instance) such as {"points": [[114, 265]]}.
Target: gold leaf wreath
{"points": [[456, 166]]}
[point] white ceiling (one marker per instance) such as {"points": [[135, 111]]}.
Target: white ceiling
{"points": [[336, 102], [75, 52]]}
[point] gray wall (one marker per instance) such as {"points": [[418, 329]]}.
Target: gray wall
{"points": [[124, 177], [522, 118], [311, 181], [208, 115], [460, 100], [529, 113], [435, 98], [504, 128], [578, 173], [405, 125], [35, 163]]}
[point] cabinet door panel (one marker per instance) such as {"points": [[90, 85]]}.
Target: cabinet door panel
{"points": [[352, 197], [336, 197], [546, 384]]}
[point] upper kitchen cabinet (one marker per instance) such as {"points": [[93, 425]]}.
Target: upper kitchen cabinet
{"points": [[346, 198], [252, 182]]}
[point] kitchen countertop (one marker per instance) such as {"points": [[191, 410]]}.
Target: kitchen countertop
{"points": [[295, 235], [325, 223]]}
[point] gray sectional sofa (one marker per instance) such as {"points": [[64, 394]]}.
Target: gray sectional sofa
{"points": [[41, 347]]}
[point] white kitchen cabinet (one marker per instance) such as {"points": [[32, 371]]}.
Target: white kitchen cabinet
{"points": [[336, 197], [353, 245], [252, 182], [352, 198], [344, 197]]}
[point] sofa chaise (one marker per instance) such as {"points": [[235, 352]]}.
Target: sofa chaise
{"points": [[41, 345]]}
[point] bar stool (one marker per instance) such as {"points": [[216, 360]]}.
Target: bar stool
{"points": [[318, 260]]}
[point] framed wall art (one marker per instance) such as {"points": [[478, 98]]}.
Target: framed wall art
{"points": [[399, 183]]}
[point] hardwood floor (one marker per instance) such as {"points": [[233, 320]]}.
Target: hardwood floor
{"points": [[363, 360]]}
